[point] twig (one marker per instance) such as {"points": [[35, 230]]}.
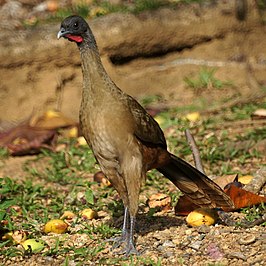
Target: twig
{"points": [[257, 182], [195, 151]]}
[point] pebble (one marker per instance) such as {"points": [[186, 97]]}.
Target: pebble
{"points": [[237, 255], [196, 245], [246, 240], [168, 243], [204, 229]]}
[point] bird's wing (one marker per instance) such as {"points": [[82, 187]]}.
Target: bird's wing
{"points": [[147, 129]]}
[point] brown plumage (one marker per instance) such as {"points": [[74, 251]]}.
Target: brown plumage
{"points": [[126, 140]]}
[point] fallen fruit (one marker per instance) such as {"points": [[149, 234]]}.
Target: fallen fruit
{"points": [[245, 179], [15, 237], [81, 141], [55, 226], [202, 216], [68, 216], [99, 177], [33, 245], [193, 117], [88, 214]]}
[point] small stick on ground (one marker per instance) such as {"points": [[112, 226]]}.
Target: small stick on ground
{"points": [[258, 181], [195, 151]]}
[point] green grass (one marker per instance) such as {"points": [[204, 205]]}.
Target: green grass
{"points": [[206, 79], [101, 8], [65, 183], [254, 213]]}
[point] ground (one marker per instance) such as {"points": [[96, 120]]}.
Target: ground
{"points": [[163, 60]]}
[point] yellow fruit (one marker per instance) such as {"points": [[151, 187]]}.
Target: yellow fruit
{"points": [[159, 119], [202, 216], [245, 179], [192, 117], [81, 141], [55, 226], [68, 215], [33, 245], [88, 214], [16, 237], [51, 114]]}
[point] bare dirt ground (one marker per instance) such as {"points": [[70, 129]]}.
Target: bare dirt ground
{"points": [[40, 72], [148, 54]]}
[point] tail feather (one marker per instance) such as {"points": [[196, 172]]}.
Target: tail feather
{"points": [[197, 186]]}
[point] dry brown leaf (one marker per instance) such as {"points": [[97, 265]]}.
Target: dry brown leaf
{"points": [[24, 139], [184, 206], [259, 114], [242, 198], [160, 200]]}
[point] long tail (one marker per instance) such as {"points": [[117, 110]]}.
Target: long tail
{"points": [[197, 186]]}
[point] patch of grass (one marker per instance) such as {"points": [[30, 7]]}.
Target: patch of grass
{"points": [[142, 5], [150, 99], [80, 9], [3, 153], [65, 183], [254, 213], [206, 79]]}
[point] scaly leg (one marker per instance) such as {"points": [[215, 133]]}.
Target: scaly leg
{"points": [[118, 241], [130, 248]]}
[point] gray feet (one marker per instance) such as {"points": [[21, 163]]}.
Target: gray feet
{"points": [[126, 241]]}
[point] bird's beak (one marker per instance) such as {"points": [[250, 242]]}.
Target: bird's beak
{"points": [[62, 33]]}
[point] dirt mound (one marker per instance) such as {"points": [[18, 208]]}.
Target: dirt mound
{"points": [[40, 72]]}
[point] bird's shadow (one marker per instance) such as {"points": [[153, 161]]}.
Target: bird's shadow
{"points": [[146, 222]]}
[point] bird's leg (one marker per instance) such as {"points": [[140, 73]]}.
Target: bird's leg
{"points": [[118, 241], [130, 248], [125, 225]]}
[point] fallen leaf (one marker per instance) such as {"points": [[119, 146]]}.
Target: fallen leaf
{"points": [[223, 180], [259, 114], [24, 139], [184, 206], [160, 201], [242, 198]]}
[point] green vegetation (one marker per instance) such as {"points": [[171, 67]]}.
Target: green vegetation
{"points": [[206, 80], [100, 8], [54, 182]]}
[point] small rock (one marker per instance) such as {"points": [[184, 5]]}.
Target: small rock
{"points": [[168, 254], [204, 229], [237, 255], [196, 245], [246, 240], [188, 232], [168, 243]]}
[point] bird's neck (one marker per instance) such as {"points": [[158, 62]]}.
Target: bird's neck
{"points": [[95, 77]]}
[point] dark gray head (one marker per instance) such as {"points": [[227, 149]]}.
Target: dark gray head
{"points": [[76, 29]]}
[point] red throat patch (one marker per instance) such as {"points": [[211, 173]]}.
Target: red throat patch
{"points": [[74, 38]]}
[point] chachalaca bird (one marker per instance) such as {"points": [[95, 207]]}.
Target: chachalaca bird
{"points": [[126, 140]]}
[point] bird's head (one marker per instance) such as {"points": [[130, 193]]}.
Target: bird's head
{"points": [[73, 28]]}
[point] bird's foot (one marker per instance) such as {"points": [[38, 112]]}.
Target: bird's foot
{"points": [[117, 241], [128, 250], [131, 250]]}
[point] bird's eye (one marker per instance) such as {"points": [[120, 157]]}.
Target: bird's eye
{"points": [[76, 25]]}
